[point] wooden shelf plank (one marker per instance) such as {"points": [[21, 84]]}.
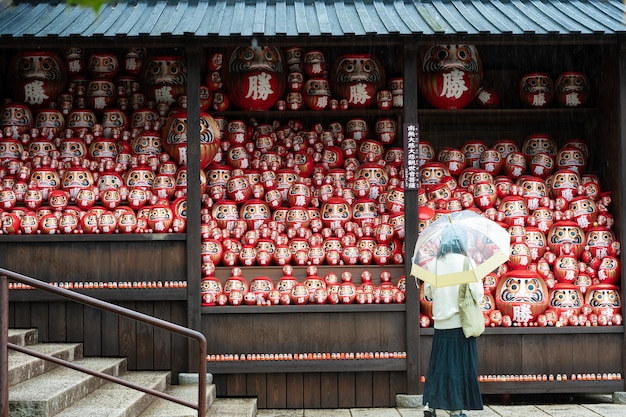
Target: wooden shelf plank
{"points": [[307, 114], [505, 116], [106, 294], [349, 365], [541, 330], [98, 237], [551, 387], [307, 308]]}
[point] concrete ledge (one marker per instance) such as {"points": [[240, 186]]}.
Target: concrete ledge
{"points": [[190, 378], [409, 401], [619, 398]]}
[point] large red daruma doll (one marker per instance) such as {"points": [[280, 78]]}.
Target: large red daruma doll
{"points": [[165, 78], [36, 78], [449, 76], [254, 77], [357, 78], [175, 138]]}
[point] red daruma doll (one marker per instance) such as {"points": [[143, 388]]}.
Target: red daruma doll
{"points": [[254, 76], [449, 76], [357, 78]]}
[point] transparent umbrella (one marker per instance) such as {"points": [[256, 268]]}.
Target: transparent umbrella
{"points": [[483, 241]]}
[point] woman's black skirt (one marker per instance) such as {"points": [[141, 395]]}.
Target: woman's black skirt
{"points": [[452, 378]]}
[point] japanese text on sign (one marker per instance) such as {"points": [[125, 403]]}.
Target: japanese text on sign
{"points": [[411, 163]]}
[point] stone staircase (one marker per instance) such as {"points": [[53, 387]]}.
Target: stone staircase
{"points": [[42, 388]]}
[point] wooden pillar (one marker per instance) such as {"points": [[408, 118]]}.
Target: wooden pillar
{"points": [[410, 221], [194, 264], [4, 351], [621, 226]]}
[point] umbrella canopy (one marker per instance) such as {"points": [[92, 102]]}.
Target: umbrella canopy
{"points": [[483, 241]]}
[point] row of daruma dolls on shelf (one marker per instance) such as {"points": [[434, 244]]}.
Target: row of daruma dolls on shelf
{"points": [[379, 242], [565, 252], [274, 245], [264, 77], [313, 289], [539, 155], [49, 197], [526, 202], [160, 217], [299, 201], [562, 231], [522, 298]]}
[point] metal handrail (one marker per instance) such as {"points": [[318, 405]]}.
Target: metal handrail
{"points": [[102, 305]]}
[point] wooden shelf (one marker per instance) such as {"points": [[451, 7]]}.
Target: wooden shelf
{"points": [[307, 308], [307, 114], [299, 272], [106, 294], [506, 116], [99, 237], [551, 387], [340, 365], [541, 330]]}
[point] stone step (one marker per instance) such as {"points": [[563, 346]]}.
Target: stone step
{"points": [[233, 407], [23, 337], [114, 400], [40, 388], [187, 392], [23, 367], [46, 395]]}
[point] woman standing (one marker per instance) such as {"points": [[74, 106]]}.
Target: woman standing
{"points": [[452, 378]]}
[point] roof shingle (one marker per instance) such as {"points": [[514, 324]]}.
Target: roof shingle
{"points": [[223, 18]]}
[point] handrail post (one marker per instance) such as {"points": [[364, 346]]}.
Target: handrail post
{"points": [[202, 378], [4, 350]]}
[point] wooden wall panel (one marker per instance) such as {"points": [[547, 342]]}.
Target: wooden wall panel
{"points": [[397, 384], [236, 385], [256, 386], [610, 352], [66, 261], [312, 390], [328, 389], [312, 395], [534, 359], [295, 390], [21, 316], [92, 331], [382, 389], [347, 386], [276, 396], [127, 337], [537, 354], [40, 319], [145, 337], [162, 339], [364, 389], [111, 328]]}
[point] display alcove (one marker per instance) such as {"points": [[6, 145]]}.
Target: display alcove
{"points": [[519, 359], [349, 328]]}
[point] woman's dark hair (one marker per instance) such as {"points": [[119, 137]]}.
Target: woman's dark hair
{"points": [[452, 246]]}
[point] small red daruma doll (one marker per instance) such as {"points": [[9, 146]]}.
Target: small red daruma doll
{"points": [[572, 89], [536, 90]]}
